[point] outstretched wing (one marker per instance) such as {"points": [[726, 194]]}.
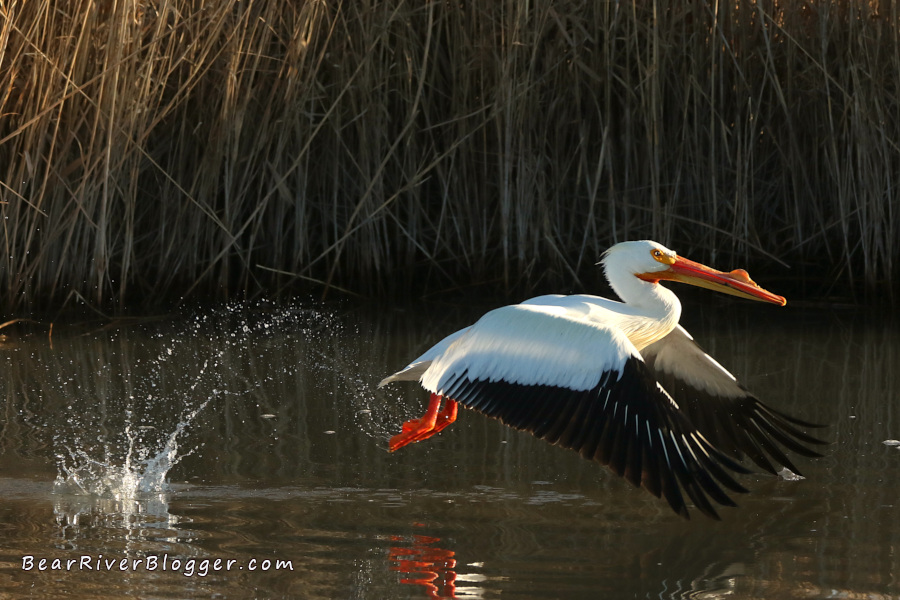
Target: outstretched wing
{"points": [[414, 370], [722, 409], [582, 385]]}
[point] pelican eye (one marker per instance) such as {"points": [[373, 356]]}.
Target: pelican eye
{"points": [[660, 256]]}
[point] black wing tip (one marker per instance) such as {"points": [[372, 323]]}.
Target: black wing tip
{"points": [[761, 444], [755, 431], [706, 509], [652, 445], [792, 419], [776, 429], [785, 423]]}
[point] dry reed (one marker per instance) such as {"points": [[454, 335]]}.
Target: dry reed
{"points": [[167, 148]]}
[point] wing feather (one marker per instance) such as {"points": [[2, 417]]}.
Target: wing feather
{"points": [[722, 409], [583, 386]]}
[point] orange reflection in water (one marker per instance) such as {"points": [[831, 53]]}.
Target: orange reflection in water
{"points": [[427, 565]]}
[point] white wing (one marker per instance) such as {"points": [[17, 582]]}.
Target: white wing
{"points": [[677, 354], [581, 385], [413, 371], [531, 345]]}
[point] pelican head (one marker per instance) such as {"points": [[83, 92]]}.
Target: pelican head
{"points": [[651, 262]]}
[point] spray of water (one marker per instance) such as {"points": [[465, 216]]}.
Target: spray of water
{"points": [[129, 426], [137, 476], [135, 410]]}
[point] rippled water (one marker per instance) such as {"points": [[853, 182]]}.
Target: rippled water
{"points": [[255, 435]]}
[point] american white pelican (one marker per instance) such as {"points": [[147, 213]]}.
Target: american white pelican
{"points": [[619, 382]]}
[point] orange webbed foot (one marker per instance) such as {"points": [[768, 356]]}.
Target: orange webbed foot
{"points": [[432, 422], [446, 416]]}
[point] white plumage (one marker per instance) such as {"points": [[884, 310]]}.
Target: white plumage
{"points": [[620, 382], [532, 344]]}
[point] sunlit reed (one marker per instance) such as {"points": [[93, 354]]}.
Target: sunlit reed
{"points": [[174, 148]]}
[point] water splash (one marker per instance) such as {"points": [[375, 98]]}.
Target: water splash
{"points": [[146, 462], [139, 475], [137, 401], [129, 415]]}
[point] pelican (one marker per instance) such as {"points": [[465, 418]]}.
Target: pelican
{"points": [[621, 383]]}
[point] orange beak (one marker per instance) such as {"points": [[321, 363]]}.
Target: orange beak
{"points": [[736, 283]]}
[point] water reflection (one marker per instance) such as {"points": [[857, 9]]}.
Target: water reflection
{"points": [[259, 433], [78, 513], [426, 564]]}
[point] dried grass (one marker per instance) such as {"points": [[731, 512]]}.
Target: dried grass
{"points": [[161, 149]]}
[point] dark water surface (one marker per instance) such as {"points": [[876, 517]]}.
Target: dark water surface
{"points": [[257, 436]]}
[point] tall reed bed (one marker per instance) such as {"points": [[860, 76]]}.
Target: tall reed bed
{"points": [[166, 148]]}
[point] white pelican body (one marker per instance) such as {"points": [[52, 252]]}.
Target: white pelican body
{"points": [[620, 382]]}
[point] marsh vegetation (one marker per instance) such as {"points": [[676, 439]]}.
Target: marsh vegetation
{"points": [[183, 148]]}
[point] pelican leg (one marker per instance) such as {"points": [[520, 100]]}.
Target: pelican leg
{"points": [[429, 424], [446, 416]]}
